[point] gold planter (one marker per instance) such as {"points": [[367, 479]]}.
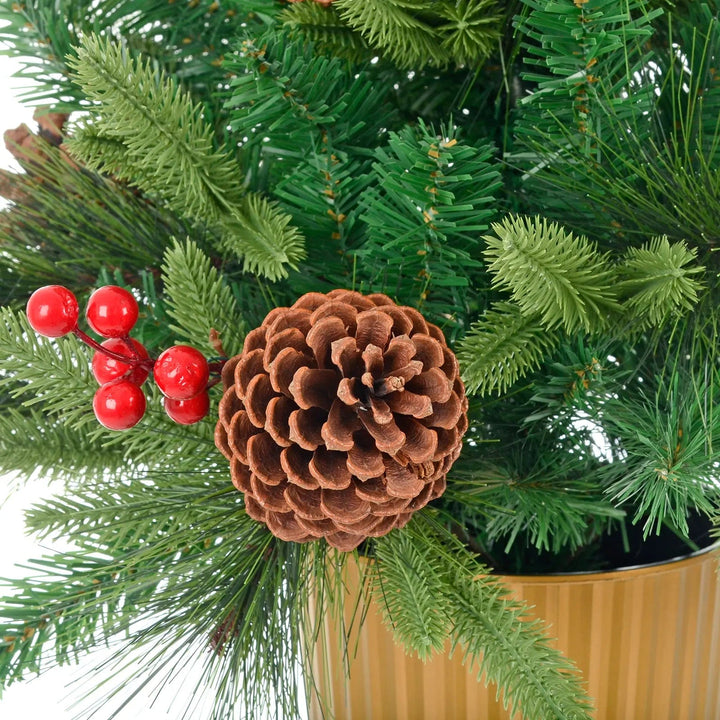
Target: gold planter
{"points": [[646, 639]]}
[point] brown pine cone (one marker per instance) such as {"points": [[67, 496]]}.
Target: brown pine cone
{"points": [[341, 417]]}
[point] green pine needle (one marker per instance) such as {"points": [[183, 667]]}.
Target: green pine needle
{"points": [[261, 235], [199, 301], [169, 148], [552, 275], [492, 631], [502, 347], [414, 34], [326, 30], [409, 579], [55, 373], [658, 280]]}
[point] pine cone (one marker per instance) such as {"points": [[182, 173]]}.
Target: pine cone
{"points": [[341, 417]]}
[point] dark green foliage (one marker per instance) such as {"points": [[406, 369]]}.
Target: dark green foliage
{"points": [[285, 99], [433, 197], [186, 39], [326, 29], [53, 237]]}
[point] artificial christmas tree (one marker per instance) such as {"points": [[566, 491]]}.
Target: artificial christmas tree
{"points": [[529, 186]]}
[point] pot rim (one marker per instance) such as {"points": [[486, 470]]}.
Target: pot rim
{"points": [[659, 566]]}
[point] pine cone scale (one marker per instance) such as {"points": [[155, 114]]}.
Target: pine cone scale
{"points": [[341, 417]]}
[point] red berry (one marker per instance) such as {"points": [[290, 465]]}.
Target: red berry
{"points": [[106, 368], [187, 412], [52, 311], [112, 311], [119, 405], [181, 372]]}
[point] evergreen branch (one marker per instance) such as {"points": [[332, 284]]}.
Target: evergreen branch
{"points": [[413, 34], [501, 348], [52, 237], [657, 282], [262, 236], [278, 106], [495, 632], [178, 42], [326, 30], [195, 572], [409, 580], [591, 52], [667, 469], [55, 372], [32, 443], [323, 194], [391, 27], [157, 441], [469, 29], [169, 148], [552, 275], [104, 153], [434, 194], [170, 153], [199, 301], [550, 510]]}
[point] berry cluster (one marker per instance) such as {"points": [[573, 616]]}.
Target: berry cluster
{"points": [[121, 364]]}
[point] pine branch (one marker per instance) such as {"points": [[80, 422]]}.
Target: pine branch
{"points": [[186, 571], [494, 631], [434, 194], [326, 30], [261, 235], [551, 275], [393, 28], [199, 301], [667, 468], [169, 148], [412, 34], [32, 443], [590, 51], [502, 347], [657, 281], [55, 373], [170, 153], [551, 511], [410, 583], [70, 223], [178, 44], [278, 106], [323, 194]]}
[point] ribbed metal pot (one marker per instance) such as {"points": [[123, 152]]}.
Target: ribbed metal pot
{"points": [[647, 640]]}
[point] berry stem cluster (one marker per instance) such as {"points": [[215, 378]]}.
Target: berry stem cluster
{"points": [[120, 363]]}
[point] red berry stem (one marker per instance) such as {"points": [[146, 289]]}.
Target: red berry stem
{"points": [[216, 367], [135, 361]]}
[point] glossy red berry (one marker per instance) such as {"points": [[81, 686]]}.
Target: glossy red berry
{"points": [[112, 311], [106, 368], [119, 405], [187, 412], [181, 372], [52, 311]]}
